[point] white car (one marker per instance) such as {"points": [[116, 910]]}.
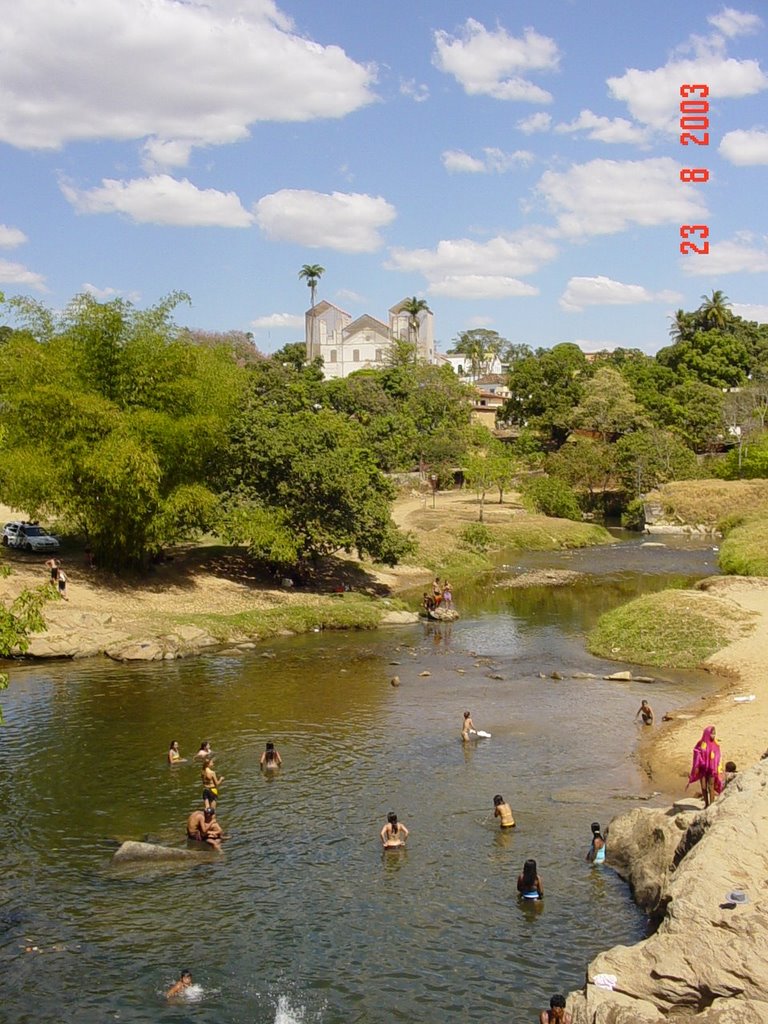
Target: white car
{"points": [[28, 536]]}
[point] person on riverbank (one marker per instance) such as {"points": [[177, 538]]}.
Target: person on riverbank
{"points": [[270, 759], [61, 583], [178, 987], [529, 883], [731, 771], [174, 755], [646, 711], [502, 810], [204, 751], [211, 782], [202, 827], [596, 852], [447, 595], [705, 768], [467, 728], [53, 564], [394, 833], [437, 592], [556, 1014]]}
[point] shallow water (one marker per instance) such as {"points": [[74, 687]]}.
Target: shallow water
{"points": [[304, 918]]}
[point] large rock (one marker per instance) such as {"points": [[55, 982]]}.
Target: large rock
{"points": [[136, 650], [141, 853], [398, 618], [708, 961]]}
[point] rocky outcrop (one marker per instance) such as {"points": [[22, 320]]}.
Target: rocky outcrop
{"points": [[704, 875], [142, 853], [398, 618]]}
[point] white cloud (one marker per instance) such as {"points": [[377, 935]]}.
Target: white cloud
{"points": [[347, 295], [757, 313], [463, 268], [653, 97], [728, 257], [535, 123], [605, 129], [11, 237], [279, 320], [603, 291], [496, 161], [16, 273], [161, 199], [160, 154], [493, 63], [735, 23], [105, 294], [197, 72], [605, 196], [347, 221], [479, 321], [745, 148], [418, 92]]}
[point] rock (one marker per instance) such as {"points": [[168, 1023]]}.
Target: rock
{"points": [[494, 675], [425, 674], [542, 578], [401, 618], [643, 679], [653, 544], [395, 680], [131, 853], [194, 637], [584, 675], [136, 650], [248, 646], [555, 675], [708, 954], [621, 677]]}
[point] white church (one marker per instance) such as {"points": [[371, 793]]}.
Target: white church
{"points": [[346, 345]]}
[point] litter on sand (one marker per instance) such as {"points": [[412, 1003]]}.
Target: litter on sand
{"points": [[744, 700]]}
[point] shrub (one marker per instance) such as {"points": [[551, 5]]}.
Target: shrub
{"points": [[476, 537], [552, 497], [633, 516]]}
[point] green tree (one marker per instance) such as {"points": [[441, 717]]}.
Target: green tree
{"points": [[751, 463], [311, 273], [545, 389], [608, 405], [551, 497], [18, 620], [414, 307], [694, 410], [648, 458], [715, 309], [480, 347], [479, 475], [584, 465]]}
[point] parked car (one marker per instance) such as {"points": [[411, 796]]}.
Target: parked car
{"points": [[28, 536]]}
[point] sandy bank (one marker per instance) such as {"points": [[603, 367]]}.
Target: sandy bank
{"points": [[742, 727]]}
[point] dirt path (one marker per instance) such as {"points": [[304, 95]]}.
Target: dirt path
{"points": [[742, 727]]}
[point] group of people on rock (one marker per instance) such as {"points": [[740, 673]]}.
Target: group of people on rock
{"points": [[441, 596]]}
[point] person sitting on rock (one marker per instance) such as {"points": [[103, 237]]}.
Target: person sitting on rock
{"points": [[556, 1014], [202, 827], [731, 771], [429, 602]]}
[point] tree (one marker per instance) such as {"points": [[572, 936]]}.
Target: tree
{"points": [[414, 307], [545, 388], [717, 357], [18, 620], [648, 458], [694, 412], [682, 326], [479, 475], [481, 347], [608, 405], [739, 421], [584, 465], [715, 309], [312, 272]]}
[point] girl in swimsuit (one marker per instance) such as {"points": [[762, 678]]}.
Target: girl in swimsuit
{"points": [[174, 757], [211, 783], [394, 833], [528, 883], [270, 758], [596, 853], [501, 809]]}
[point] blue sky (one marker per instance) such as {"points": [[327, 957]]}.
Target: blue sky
{"points": [[516, 164]]}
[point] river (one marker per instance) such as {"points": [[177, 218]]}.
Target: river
{"points": [[303, 918]]}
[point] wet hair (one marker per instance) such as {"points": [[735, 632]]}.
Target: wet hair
{"points": [[173, 744], [392, 819], [529, 874], [185, 974], [557, 1002], [730, 766], [498, 799], [204, 745], [207, 761], [209, 811], [467, 714], [270, 746], [596, 830]]}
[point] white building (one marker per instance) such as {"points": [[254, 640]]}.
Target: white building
{"points": [[346, 345]]}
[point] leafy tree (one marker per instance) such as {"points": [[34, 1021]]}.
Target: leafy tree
{"points": [[717, 357], [311, 273], [584, 465], [648, 458], [18, 620], [682, 326], [715, 309], [481, 347], [693, 410], [479, 475], [545, 388], [551, 497], [749, 464], [608, 405]]}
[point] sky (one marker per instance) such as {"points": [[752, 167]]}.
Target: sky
{"points": [[517, 163]]}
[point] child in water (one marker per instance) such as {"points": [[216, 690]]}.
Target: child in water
{"points": [[528, 882], [501, 809], [394, 833], [596, 852]]}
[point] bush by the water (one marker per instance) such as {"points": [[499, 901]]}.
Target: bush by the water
{"points": [[476, 537], [552, 497], [633, 516], [671, 629], [744, 552]]}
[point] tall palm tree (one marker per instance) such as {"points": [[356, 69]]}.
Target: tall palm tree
{"points": [[681, 326], [312, 272], [714, 309], [413, 307]]}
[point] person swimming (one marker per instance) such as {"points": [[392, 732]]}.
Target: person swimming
{"points": [[504, 811], [270, 758], [204, 751], [177, 989], [528, 882], [174, 756], [394, 833], [596, 852]]}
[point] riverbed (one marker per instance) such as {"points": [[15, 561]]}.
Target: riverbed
{"points": [[303, 918]]}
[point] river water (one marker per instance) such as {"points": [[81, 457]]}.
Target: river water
{"points": [[304, 918]]}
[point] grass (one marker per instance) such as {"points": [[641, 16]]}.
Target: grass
{"points": [[342, 611], [744, 552], [706, 502], [670, 629]]}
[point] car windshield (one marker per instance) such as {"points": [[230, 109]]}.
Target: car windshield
{"points": [[35, 531]]}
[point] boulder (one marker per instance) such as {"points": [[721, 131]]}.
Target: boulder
{"points": [[135, 853], [136, 650], [620, 677], [401, 618], [641, 846]]}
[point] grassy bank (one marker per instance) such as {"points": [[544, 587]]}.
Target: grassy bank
{"points": [[340, 611], [671, 629], [744, 552], [707, 502]]}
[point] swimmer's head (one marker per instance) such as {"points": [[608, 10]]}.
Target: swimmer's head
{"points": [[174, 744], [270, 746], [557, 1002], [466, 714], [595, 826], [392, 818], [498, 799], [209, 812], [186, 977]]}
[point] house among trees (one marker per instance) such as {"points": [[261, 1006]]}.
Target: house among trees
{"points": [[346, 345]]}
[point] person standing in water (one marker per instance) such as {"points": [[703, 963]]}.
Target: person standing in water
{"points": [[556, 1014], [646, 711], [211, 782], [528, 882], [501, 809], [204, 751], [270, 758], [394, 833], [467, 728], [174, 756], [596, 852], [178, 987]]}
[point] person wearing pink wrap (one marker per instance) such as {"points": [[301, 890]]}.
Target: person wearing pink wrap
{"points": [[706, 766]]}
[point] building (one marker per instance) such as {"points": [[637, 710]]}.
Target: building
{"points": [[346, 345], [492, 393]]}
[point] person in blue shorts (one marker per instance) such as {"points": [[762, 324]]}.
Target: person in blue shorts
{"points": [[528, 883]]}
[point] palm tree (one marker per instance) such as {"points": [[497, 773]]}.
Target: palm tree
{"points": [[714, 309], [681, 326], [312, 272], [413, 307]]}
